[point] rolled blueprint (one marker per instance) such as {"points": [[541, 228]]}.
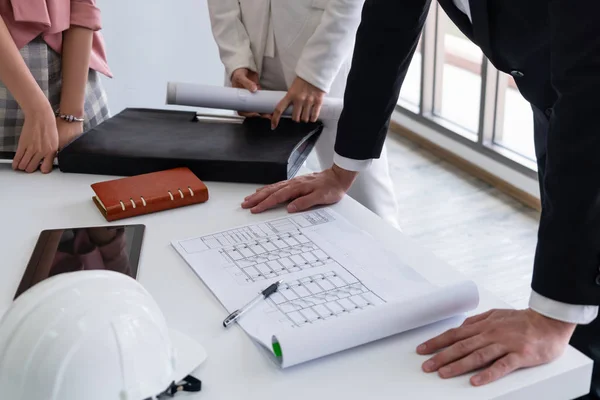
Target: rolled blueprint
{"points": [[228, 98], [315, 341]]}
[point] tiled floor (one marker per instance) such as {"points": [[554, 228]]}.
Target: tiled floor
{"points": [[474, 227], [466, 222]]}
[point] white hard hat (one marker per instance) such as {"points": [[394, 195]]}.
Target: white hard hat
{"points": [[93, 335]]}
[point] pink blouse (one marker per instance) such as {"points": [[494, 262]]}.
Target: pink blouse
{"points": [[27, 19]]}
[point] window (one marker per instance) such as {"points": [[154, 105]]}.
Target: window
{"points": [[452, 87], [515, 130], [410, 93], [458, 77]]}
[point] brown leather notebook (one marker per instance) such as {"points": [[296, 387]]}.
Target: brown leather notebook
{"points": [[147, 193]]}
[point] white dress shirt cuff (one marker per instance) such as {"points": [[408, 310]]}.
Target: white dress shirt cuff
{"points": [[572, 313], [351, 164]]}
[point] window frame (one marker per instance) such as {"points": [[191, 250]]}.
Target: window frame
{"points": [[491, 111]]}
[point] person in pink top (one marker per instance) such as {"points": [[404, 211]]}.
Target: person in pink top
{"points": [[52, 53]]}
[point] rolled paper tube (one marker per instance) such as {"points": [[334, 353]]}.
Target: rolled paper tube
{"points": [[228, 98]]}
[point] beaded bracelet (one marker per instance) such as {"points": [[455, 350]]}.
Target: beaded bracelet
{"points": [[68, 117]]}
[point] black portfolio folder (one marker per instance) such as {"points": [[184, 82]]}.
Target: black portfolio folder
{"points": [[138, 141]]}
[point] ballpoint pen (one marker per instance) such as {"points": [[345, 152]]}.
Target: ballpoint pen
{"points": [[263, 295]]}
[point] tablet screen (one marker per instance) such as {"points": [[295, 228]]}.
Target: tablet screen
{"points": [[57, 251]]}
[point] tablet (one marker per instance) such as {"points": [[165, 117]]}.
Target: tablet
{"points": [[114, 247]]}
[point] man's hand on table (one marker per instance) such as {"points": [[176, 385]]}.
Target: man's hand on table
{"points": [[501, 340], [320, 188]]}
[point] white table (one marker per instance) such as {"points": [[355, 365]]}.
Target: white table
{"points": [[236, 368]]}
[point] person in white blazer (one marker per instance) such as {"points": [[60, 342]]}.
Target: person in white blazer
{"points": [[303, 47]]}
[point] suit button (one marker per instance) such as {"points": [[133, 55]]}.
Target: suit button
{"points": [[517, 74], [598, 280], [548, 112]]}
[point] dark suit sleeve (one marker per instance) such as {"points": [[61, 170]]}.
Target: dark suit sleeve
{"points": [[568, 253], [386, 40]]}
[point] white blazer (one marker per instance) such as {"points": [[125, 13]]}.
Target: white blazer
{"points": [[314, 38]]}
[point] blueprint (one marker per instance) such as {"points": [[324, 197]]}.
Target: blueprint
{"points": [[332, 273]]}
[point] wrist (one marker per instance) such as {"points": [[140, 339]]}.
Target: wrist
{"points": [[76, 110], [244, 71], [69, 118], [552, 323], [36, 104], [310, 84], [345, 177]]}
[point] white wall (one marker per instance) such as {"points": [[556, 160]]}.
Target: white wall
{"points": [[151, 42]]}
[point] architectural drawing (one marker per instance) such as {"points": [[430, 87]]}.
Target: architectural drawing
{"points": [[320, 297], [263, 251]]}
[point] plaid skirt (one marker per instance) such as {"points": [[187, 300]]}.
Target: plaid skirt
{"points": [[45, 66]]}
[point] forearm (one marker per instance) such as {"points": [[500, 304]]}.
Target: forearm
{"points": [[15, 75], [331, 43], [386, 40], [77, 48], [566, 262], [230, 35]]}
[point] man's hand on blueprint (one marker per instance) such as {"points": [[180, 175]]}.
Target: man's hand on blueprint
{"points": [[501, 340]]}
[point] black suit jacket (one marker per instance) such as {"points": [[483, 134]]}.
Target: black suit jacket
{"points": [[552, 48]]}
